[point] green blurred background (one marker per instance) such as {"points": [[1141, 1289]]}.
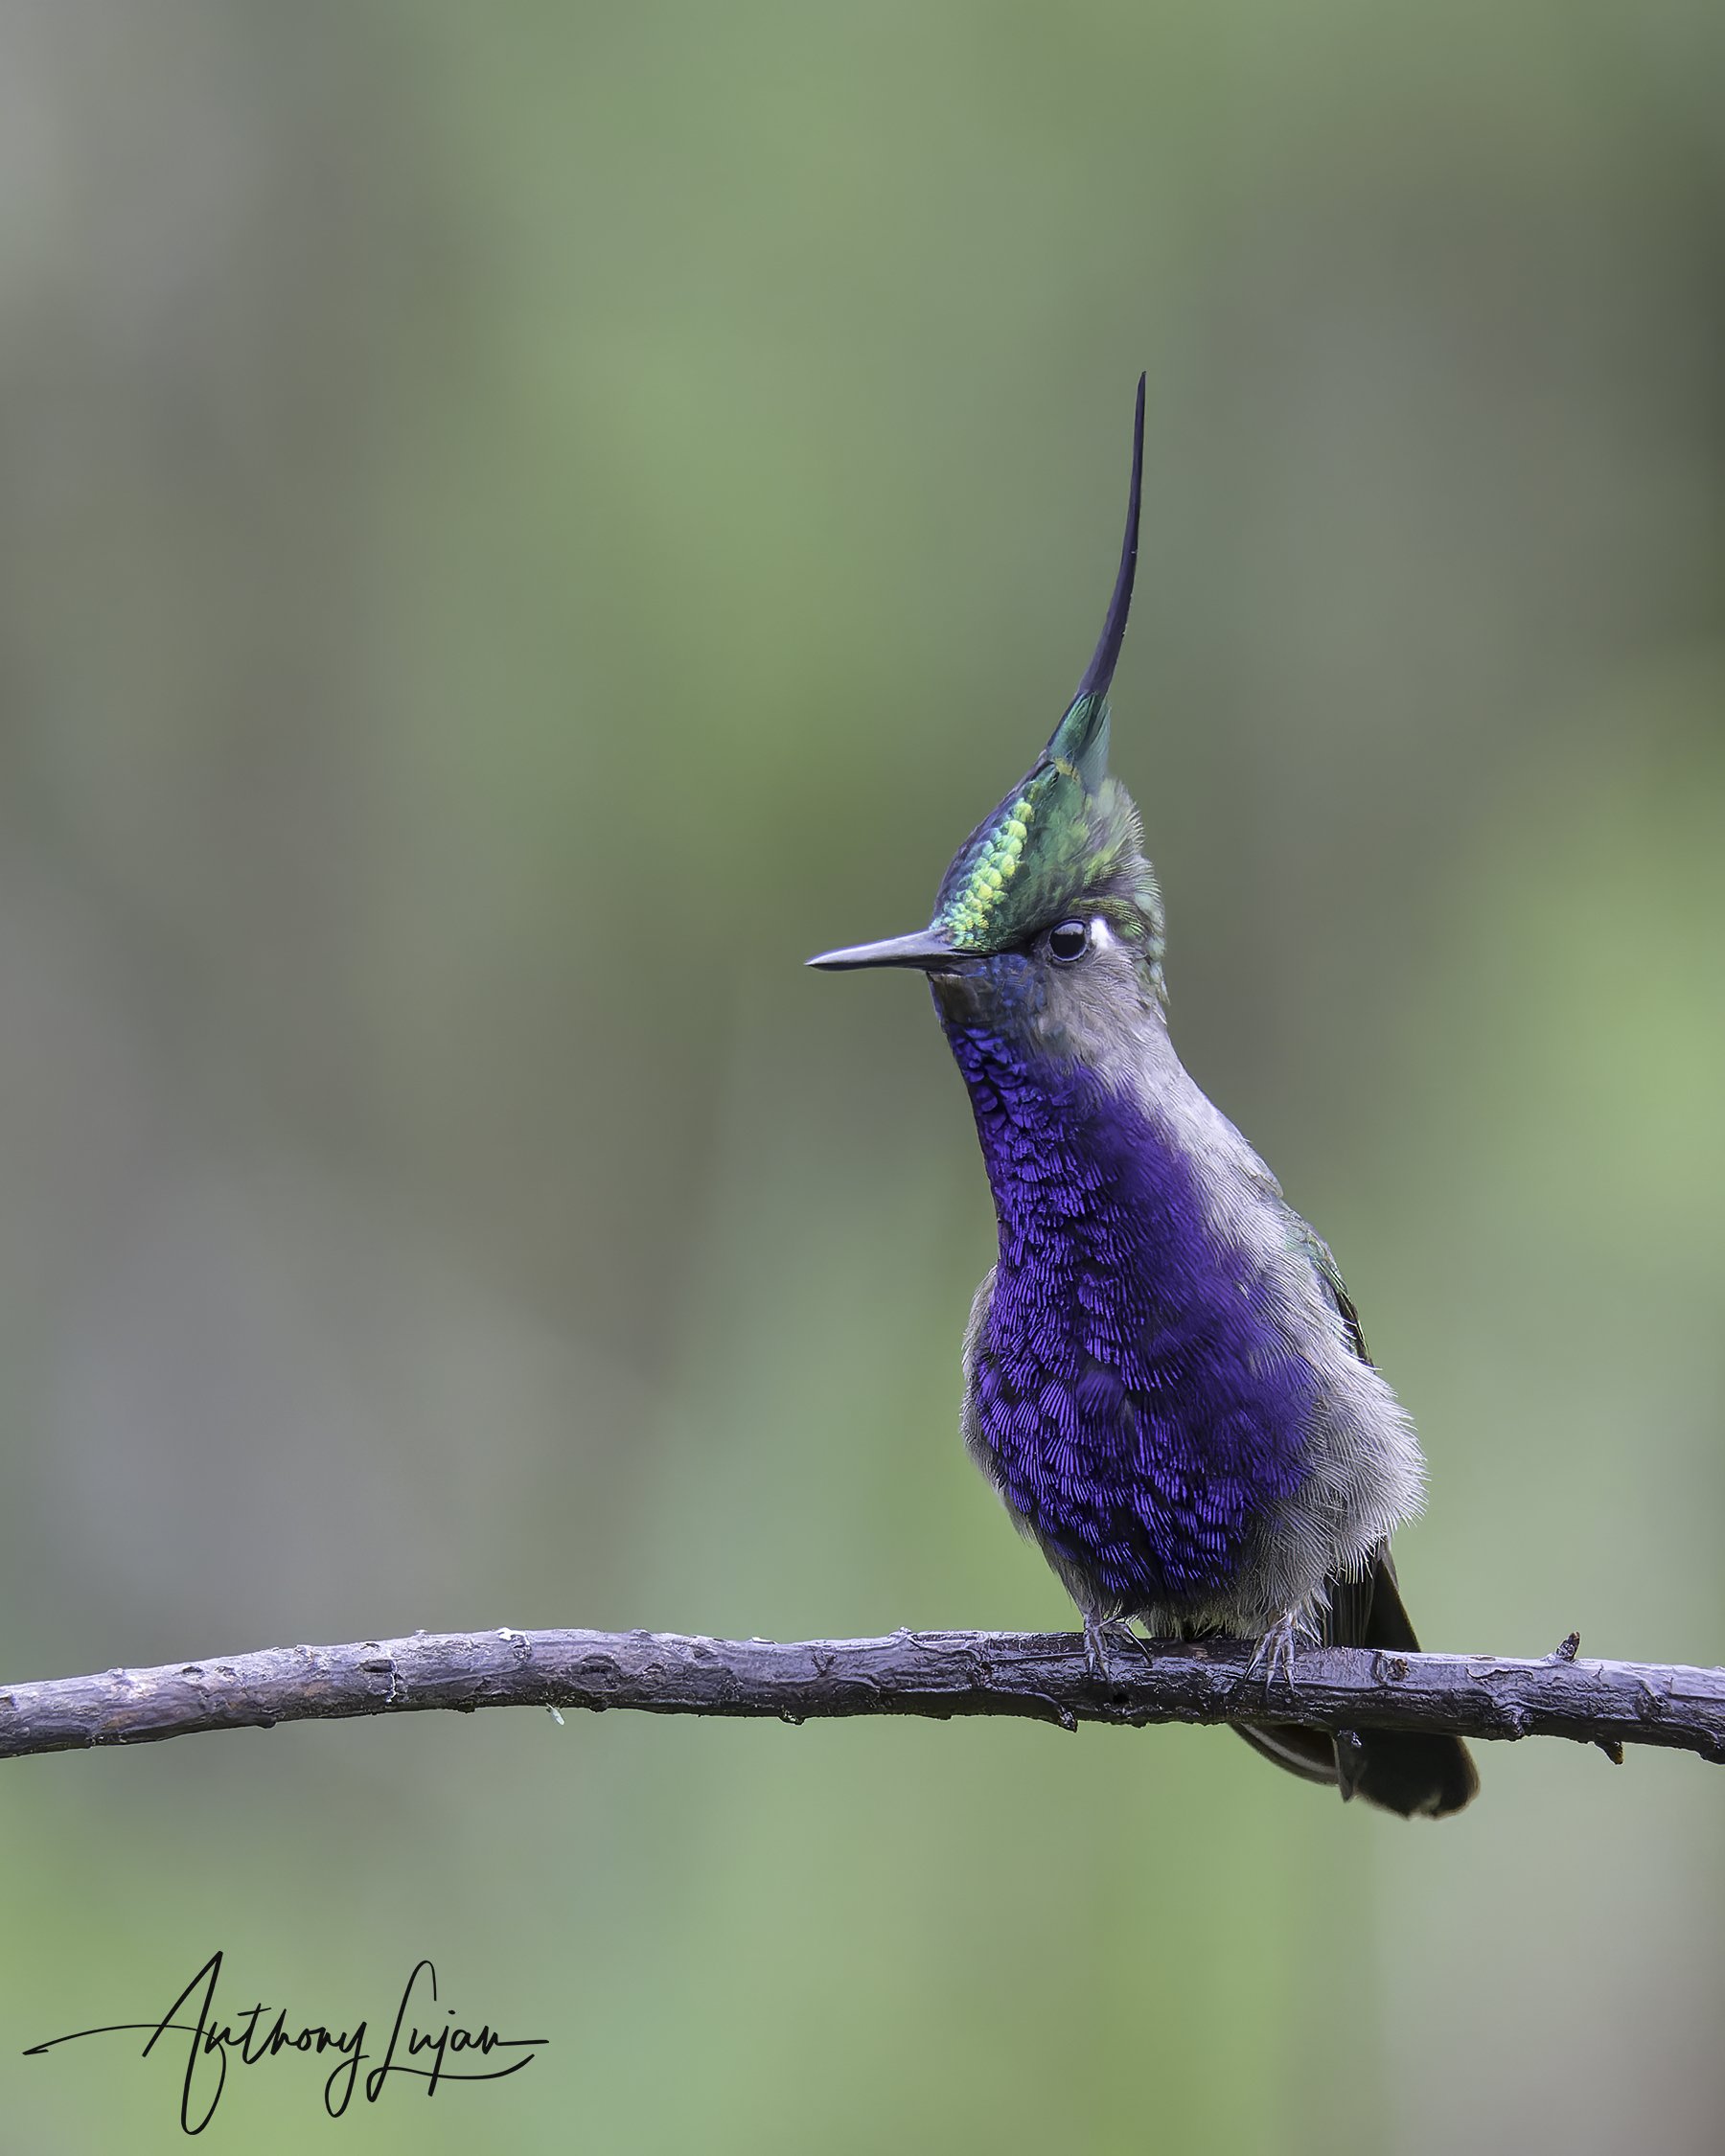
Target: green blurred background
{"points": [[521, 522]]}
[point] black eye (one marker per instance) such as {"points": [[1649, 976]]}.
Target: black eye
{"points": [[1070, 941]]}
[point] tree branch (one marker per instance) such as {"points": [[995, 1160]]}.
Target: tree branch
{"points": [[936, 1674]]}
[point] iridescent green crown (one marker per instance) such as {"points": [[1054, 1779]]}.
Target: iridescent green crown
{"points": [[1066, 830]]}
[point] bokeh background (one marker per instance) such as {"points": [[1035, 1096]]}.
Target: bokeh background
{"points": [[519, 524]]}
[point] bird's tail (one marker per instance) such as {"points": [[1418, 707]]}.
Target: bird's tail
{"points": [[1414, 1772]]}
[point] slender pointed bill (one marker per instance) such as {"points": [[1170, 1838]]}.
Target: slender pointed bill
{"points": [[932, 953]]}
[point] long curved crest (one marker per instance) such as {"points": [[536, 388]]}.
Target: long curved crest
{"points": [[1099, 672], [1065, 828]]}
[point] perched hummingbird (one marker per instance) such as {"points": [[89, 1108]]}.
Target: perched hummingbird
{"points": [[1163, 1375]]}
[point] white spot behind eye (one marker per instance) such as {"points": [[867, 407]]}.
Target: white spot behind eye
{"points": [[1101, 935]]}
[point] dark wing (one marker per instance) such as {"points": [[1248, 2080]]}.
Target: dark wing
{"points": [[1330, 1273], [1405, 1772]]}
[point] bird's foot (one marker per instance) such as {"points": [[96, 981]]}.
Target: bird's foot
{"points": [[1098, 1631], [1274, 1654]]}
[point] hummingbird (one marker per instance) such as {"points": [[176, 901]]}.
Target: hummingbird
{"points": [[1165, 1377]]}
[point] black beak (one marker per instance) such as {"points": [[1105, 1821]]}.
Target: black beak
{"points": [[931, 953]]}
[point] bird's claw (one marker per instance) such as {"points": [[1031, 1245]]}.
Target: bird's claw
{"points": [[1097, 1632], [1275, 1653]]}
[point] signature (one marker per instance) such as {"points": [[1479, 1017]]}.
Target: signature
{"points": [[216, 2042]]}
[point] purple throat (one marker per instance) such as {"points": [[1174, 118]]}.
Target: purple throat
{"points": [[1139, 1405]]}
